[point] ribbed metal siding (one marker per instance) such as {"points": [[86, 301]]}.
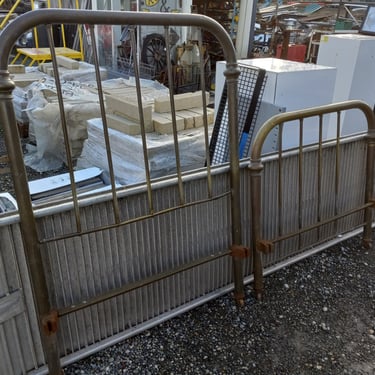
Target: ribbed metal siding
{"points": [[169, 240], [20, 346], [85, 266], [350, 194]]}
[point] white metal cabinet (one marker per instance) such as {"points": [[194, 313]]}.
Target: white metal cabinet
{"points": [[354, 57], [293, 86]]}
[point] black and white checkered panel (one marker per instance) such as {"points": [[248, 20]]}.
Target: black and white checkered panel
{"points": [[219, 146]]}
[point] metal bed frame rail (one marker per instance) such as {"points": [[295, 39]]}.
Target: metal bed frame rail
{"points": [[85, 272], [317, 192], [86, 224]]}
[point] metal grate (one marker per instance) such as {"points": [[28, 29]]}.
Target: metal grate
{"points": [[251, 85]]}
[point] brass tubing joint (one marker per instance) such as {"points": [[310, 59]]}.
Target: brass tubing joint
{"points": [[6, 84], [367, 243], [265, 246], [239, 251], [50, 322], [239, 298]]}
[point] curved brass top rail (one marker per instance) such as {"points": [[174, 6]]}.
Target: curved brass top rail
{"points": [[309, 112]]}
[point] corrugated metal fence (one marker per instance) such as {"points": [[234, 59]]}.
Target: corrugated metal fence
{"points": [[317, 192], [83, 273]]}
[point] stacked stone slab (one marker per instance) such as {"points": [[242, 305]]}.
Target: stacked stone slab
{"points": [[123, 113], [189, 112], [72, 70]]}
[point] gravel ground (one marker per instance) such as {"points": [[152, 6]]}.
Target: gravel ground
{"points": [[317, 317]]}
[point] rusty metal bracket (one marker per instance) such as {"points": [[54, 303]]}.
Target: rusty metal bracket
{"points": [[240, 251], [265, 246], [240, 299], [50, 322]]}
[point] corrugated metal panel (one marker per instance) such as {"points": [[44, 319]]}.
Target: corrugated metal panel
{"points": [[350, 195], [20, 347], [85, 266]]}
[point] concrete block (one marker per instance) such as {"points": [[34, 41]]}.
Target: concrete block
{"points": [[199, 116], [163, 123], [122, 124], [129, 94], [45, 66], [181, 101], [23, 80], [67, 62], [188, 118], [129, 110], [50, 72], [16, 68]]}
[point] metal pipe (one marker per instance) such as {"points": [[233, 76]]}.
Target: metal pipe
{"points": [[205, 124], [231, 73], [64, 126], [105, 127], [137, 219], [369, 192], [300, 178], [320, 173], [256, 169], [142, 120], [309, 112], [323, 222], [173, 114], [280, 189], [337, 166], [28, 227], [139, 284]]}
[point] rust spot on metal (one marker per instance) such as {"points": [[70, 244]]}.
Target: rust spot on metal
{"points": [[240, 251], [367, 243], [50, 322], [240, 299], [265, 246]]}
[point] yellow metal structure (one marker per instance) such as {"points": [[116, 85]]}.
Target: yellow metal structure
{"points": [[41, 55], [11, 11]]}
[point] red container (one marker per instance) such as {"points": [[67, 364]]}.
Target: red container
{"points": [[296, 52]]}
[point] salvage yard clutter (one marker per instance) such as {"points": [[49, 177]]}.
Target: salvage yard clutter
{"points": [[37, 107]]}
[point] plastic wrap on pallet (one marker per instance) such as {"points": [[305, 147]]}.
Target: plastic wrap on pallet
{"points": [[126, 87], [127, 152], [85, 72], [20, 104], [45, 125]]}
